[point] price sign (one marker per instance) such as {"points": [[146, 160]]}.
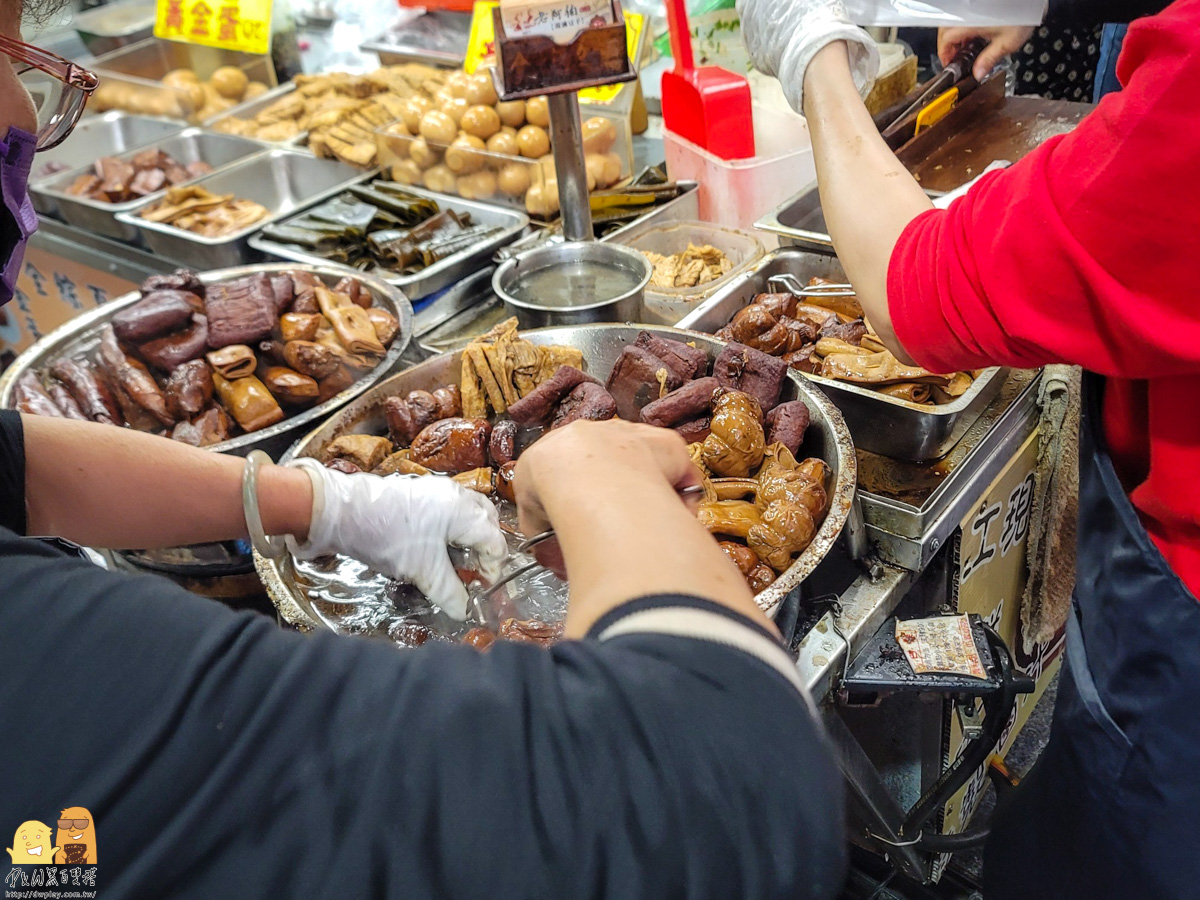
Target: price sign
{"points": [[481, 47], [243, 25]]}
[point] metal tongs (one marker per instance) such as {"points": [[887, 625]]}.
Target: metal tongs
{"points": [[792, 285], [528, 544]]}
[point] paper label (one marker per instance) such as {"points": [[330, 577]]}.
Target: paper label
{"points": [[560, 20], [481, 48], [940, 644], [243, 25]]}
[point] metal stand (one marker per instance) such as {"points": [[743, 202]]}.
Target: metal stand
{"points": [[566, 140]]}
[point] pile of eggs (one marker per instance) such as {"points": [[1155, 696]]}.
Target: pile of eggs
{"points": [[183, 94], [465, 141]]}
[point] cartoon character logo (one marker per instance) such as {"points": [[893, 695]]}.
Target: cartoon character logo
{"points": [[31, 844], [76, 837]]}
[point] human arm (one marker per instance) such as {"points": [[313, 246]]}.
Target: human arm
{"points": [[627, 478], [116, 488], [1079, 253], [239, 748], [867, 195], [119, 488]]}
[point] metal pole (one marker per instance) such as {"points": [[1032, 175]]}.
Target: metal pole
{"points": [[566, 137]]}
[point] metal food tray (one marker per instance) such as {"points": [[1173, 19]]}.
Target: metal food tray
{"points": [[104, 135], [442, 273], [911, 510], [916, 432], [417, 40], [252, 108], [187, 146], [80, 337], [826, 438], [284, 181], [800, 221]]}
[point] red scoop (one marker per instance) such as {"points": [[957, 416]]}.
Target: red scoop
{"points": [[709, 106]]}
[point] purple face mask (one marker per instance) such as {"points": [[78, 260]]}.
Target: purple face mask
{"points": [[18, 220]]}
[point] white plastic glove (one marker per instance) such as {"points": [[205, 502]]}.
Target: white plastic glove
{"points": [[783, 36], [400, 525]]}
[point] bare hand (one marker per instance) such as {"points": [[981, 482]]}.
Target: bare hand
{"points": [[1002, 41], [586, 464]]}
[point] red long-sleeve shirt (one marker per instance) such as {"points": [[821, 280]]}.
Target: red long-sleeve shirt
{"points": [[1087, 251]]}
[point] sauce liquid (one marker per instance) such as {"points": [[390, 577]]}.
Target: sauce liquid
{"points": [[573, 284]]}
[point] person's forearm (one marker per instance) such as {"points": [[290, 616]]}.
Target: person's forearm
{"points": [[867, 195], [651, 543], [117, 488]]}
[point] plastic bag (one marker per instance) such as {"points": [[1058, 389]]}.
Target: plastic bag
{"points": [[982, 13]]}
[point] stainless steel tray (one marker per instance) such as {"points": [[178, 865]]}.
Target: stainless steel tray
{"points": [[104, 135], [108, 28], [912, 509], [435, 38], [444, 272], [915, 432], [80, 336], [187, 146], [601, 345], [800, 222], [251, 108], [284, 181]]}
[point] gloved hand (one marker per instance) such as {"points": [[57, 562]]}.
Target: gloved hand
{"points": [[783, 36], [400, 526]]}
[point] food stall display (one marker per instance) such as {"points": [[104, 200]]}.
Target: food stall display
{"points": [[200, 211], [828, 336], [903, 412], [181, 94], [381, 227], [338, 112], [218, 360], [777, 484]]}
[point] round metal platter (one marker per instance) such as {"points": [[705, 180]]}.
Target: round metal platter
{"points": [[827, 438], [79, 337]]}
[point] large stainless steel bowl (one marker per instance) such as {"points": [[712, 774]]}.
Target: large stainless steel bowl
{"points": [[827, 438], [80, 336]]}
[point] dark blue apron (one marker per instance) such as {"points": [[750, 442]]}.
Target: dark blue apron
{"points": [[1112, 808]]}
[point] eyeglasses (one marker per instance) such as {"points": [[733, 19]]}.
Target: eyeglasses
{"points": [[72, 824], [59, 88]]}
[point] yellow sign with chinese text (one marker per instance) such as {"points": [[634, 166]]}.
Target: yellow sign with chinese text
{"points": [[481, 47], [243, 25]]}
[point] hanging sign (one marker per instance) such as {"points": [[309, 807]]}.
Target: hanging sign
{"points": [[482, 40], [243, 25]]}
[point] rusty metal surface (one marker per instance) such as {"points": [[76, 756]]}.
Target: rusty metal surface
{"points": [[601, 345]]}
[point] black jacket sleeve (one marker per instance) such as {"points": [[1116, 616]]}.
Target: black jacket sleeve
{"points": [[220, 756], [12, 472]]}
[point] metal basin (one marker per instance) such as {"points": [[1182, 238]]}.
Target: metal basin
{"points": [[80, 337], [579, 267], [827, 438]]}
